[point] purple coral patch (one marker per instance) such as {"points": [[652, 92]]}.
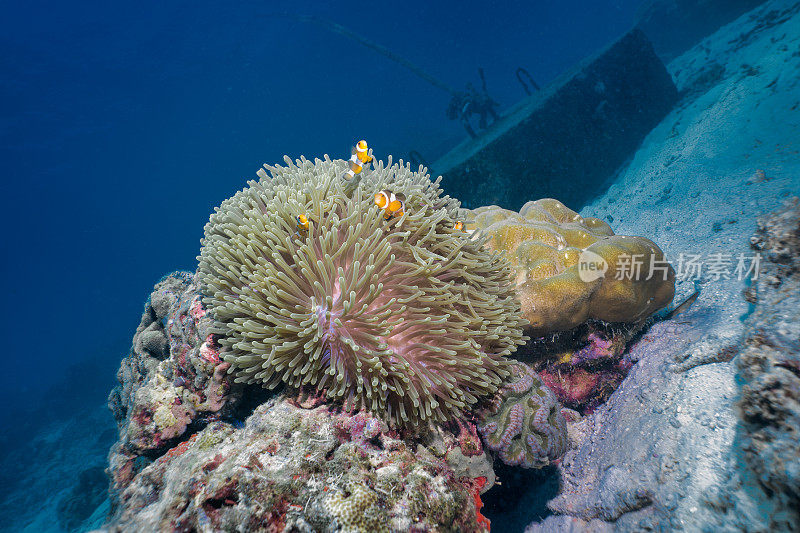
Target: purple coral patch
{"points": [[524, 424]]}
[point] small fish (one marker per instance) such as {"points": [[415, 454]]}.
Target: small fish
{"points": [[359, 158], [393, 205], [301, 225], [458, 226]]}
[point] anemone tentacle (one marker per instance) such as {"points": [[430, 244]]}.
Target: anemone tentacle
{"points": [[409, 318]]}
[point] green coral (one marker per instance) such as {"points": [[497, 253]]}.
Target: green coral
{"points": [[409, 318], [213, 435]]}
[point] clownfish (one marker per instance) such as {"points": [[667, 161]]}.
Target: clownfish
{"points": [[458, 226], [393, 205], [301, 224], [359, 158]]}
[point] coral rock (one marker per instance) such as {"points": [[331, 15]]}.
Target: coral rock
{"points": [[769, 365], [583, 366], [164, 390], [545, 242], [294, 469]]}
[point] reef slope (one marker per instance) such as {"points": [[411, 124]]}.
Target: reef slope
{"points": [[670, 448]]}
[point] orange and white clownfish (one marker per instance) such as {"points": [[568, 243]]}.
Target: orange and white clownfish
{"points": [[393, 205], [301, 225], [359, 158], [458, 225]]}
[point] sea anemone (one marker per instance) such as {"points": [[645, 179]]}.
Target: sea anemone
{"points": [[408, 318]]}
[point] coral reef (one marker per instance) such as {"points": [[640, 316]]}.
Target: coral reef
{"points": [[585, 365], [295, 469], [171, 379], [669, 450], [410, 320], [407, 317], [545, 242], [769, 365], [524, 423], [294, 462]]}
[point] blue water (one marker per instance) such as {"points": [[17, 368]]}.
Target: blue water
{"points": [[123, 124]]}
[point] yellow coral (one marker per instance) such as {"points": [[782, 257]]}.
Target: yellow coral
{"points": [[164, 417], [357, 512], [545, 242], [213, 435]]}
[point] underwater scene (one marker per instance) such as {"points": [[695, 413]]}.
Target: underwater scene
{"points": [[402, 267]]}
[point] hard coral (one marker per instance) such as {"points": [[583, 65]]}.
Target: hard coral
{"points": [[545, 242], [162, 397], [355, 510], [409, 318], [292, 469], [524, 422]]}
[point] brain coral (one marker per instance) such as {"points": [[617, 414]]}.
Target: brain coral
{"points": [[544, 242], [357, 511], [408, 318], [524, 423]]}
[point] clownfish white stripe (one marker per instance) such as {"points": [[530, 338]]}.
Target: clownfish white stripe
{"points": [[393, 205], [359, 158]]}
